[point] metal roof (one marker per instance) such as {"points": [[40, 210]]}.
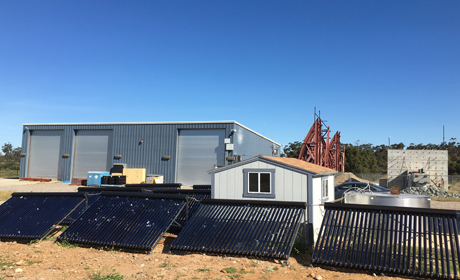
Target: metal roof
{"points": [[156, 123], [288, 163]]}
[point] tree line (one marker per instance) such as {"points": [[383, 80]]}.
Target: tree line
{"points": [[10, 157], [368, 158]]}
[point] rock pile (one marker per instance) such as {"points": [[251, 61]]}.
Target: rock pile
{"points": [[431, 191]]}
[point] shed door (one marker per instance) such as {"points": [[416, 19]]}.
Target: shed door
{"points": [[93, 152], [45, 154], [199, 151]]}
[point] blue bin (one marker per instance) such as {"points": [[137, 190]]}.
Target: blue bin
{"points": [[94, 178]]}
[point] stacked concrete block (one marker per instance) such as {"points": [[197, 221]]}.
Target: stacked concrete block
{"points": [[408, 168]]}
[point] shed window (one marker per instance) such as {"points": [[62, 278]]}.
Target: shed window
{"points": [[259, 183], [325, 188]]}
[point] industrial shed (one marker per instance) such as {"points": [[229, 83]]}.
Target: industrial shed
{"points": [[277, 179], [182, 152]]}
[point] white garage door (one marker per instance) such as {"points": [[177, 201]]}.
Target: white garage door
{"points": [[93, 152], [45, 154], [199, 151]]}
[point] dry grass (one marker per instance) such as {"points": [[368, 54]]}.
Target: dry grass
{"points": [[5, 195], [455, 188], [9, 173], [454, 199]]}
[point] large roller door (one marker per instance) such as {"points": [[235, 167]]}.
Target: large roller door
{"points": [[199, 151], [93, 152], [45, 154]]}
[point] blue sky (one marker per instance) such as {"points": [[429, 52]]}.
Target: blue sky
{"points": [[373, 68]]}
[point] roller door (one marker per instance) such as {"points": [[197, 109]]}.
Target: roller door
{"points": [[45, 154], [199, 151], [93, 152]]}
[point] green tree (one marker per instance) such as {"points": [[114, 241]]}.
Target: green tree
{"points": [[10, 154], [399, 146], [292, 150], [353, 159], [381, 155]]}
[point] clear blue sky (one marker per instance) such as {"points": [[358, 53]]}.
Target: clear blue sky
{"points": [[373, 68]]}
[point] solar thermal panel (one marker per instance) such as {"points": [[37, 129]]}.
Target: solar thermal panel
{"points": [[242, 227], [125, 220], [29, 216], [194, 198], [403, 240]]}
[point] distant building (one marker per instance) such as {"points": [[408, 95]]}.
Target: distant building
{"points": [[412, 168], [182, 152]]}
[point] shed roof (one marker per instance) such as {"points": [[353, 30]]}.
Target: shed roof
{"points": [[302, 164], [290, 163]]}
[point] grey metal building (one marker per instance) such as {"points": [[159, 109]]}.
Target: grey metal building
{"points": [[182, 152]]}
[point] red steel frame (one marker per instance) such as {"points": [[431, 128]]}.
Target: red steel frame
{"points": [[320, 151]]}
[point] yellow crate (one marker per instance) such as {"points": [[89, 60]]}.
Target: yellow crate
{"points": [[134, 175]]}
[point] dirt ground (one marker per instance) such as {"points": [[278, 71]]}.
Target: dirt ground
{"points": [[49, 260]]}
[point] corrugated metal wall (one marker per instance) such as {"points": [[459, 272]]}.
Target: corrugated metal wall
{"points": [[159, 139], [249, 144]]}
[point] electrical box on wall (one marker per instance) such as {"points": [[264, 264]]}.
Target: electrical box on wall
{"points": [[227, 140], [229, 147]]}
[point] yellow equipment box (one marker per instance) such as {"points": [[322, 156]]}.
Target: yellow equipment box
{"points": [[134, 175]]}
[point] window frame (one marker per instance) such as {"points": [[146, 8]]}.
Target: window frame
{"points": [[324, 191], [247, 193]]}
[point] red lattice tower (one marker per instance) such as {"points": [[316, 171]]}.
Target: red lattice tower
{"points": [[317, 148]]}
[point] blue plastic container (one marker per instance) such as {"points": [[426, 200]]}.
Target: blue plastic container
{"points": [[94, 178]]}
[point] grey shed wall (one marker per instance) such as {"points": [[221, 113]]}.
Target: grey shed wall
{"points": [[159, 139]]}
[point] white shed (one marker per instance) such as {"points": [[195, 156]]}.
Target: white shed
{"points": [[277, 179]]}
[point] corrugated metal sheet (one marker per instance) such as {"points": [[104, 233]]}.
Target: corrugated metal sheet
{"points": [[125, 220], [29, 216], [250, 228], [254, 143], [412, 241], [158, 140], [45, 154]]}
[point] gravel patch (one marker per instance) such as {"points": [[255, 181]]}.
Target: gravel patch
{"points": [[431, 191]]}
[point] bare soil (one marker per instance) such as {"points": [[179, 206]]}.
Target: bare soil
{"points": [[49, 260], [346, 177]]}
